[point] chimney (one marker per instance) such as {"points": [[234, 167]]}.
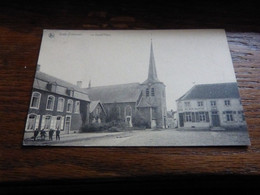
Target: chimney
{"points": [[38, 67], [79, 84]]}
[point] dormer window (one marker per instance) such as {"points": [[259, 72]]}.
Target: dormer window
{"points": [[51, 87], [70, 92]]}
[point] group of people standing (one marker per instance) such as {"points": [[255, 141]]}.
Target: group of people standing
{"points": [[43, 134]]}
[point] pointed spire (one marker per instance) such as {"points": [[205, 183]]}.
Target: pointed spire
{"points": [[152, 74]]}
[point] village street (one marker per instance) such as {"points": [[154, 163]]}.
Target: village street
{"points": [[149, 137]]}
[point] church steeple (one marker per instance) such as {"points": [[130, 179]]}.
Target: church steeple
{"points": [[152, 74]]}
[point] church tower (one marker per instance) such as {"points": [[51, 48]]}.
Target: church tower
{"points": [[153, 96]]}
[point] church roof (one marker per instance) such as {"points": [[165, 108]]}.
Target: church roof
{"points": [[152, 73], [212, 91], [115, 93], [42, 80]]}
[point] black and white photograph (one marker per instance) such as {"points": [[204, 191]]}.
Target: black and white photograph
{"points": [[119, 88]]}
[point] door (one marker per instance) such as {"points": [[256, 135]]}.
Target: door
{"points": [[215, 119], [67, 124], [181, 122]]}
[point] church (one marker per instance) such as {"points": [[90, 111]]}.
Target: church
{"points": [[135, 103], [58, 104]]}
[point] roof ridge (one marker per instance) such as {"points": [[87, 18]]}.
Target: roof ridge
{"points": [[106, 86], [75, 87]]}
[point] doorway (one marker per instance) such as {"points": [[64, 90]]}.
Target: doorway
{"points": [[67, 124], [181, 122], [215, 119]]}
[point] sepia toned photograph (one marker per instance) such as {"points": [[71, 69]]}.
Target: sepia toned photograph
{"points": [[102, 88]]}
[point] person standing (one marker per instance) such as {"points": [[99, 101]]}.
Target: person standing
{"points": [[43, 133], [51, 132], [36, 132], [58, 134]]}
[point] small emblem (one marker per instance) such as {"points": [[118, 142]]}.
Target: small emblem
{"points": [[51, 35]]}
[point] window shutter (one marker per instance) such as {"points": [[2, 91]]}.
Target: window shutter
{"points": [[224, 117], [235, 117], [43, 122], [37, 122], [193, 117], [62, 123]]}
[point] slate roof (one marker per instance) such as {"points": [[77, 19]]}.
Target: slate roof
{"points": [[42, 79], [115, 93], [212, 91]]}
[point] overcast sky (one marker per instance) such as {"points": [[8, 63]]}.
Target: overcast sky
{"points": [[183, 57]]}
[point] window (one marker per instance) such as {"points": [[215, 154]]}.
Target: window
{"points": [[46, 122], [229, 116], [50, 102], [147, 92], [213, 103], [152, 92], [200, 103], [118, 111], [32, 122], [187, 104], [35, 100], [60, 106], [202, 116], [70, 92], [227, 102], [59, 122], [77, 106], [188, 117], [128, 111], [97, 111], [69, 105]]}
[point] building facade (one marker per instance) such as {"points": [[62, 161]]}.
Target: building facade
{"points": [[211, 106], [134, 101], [56, 104]]}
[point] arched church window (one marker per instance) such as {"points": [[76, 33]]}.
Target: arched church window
{"points": [[128, 111], [118, 111], [147, 92]]}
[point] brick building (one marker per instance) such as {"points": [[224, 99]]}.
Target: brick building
{"points": [[56, 104]]}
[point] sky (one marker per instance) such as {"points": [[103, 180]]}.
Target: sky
{"points": [[183, 58]]}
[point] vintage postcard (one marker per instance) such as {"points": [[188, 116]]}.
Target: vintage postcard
{"points": [[135, 88]]}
